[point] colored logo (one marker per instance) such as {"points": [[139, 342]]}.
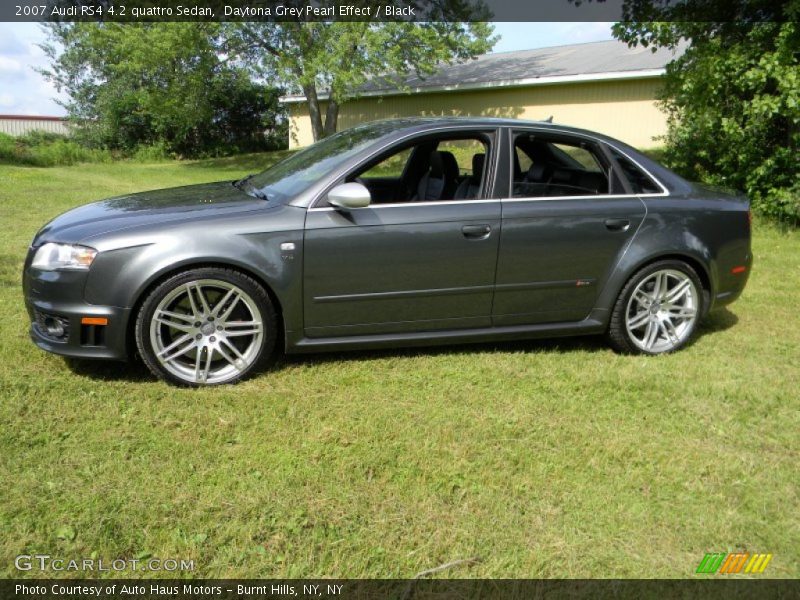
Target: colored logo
{"points": [[735, 562]]}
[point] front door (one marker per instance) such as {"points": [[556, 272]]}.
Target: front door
{"points": [[424, 261]]}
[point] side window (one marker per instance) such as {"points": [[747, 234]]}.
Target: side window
{"points": [[640, 182], [524, 161], [557, 166], [444, 168], [580, 155], [463, 151], [391, 167]]}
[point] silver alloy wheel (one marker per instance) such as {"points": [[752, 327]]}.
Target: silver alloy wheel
{"points": [[661, 311], [206, 331]]}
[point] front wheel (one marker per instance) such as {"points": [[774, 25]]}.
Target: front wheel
{"points": [[206, 326], [658, 309]]}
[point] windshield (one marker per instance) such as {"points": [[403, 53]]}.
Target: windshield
{"points": [[297, 173]]}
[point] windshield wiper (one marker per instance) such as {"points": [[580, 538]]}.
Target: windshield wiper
{"points": [[240, 185]]}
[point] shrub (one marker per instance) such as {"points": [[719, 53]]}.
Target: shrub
{"points": [[781, 204], [151, 153], [7, 148], [42, 149], [733, 96]]}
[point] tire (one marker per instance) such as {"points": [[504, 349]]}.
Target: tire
{"points": [[207, 326], [658, 309]]}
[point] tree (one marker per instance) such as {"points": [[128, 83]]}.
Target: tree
{"points": [[158, 83], [336, 58], [733, 98]]}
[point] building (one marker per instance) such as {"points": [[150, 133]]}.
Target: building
{"points": [[603, 86], [22, 124]]}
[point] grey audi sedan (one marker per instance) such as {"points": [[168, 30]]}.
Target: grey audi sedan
{"points": [[395, 233]]}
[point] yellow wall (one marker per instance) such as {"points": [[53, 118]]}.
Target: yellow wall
{"points": [[623, 109]]}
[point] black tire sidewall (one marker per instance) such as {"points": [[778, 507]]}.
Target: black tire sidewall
{"points": [[255, 290], [618, 334]]}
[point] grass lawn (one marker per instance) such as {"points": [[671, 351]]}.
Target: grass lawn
{"points": [[544, 459]]}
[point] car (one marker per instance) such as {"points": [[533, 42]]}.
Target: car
{"points": [[396, 233]]}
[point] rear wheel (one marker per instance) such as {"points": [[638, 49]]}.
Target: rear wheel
{"points": [[657, 310], [206, 326]]}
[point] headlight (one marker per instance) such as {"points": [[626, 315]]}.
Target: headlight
{"points": [[50, 257]]}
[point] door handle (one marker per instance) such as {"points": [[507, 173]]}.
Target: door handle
{"points": [[617, 224], [476, 232]]}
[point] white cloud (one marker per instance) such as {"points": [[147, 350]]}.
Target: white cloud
{"points": [[22, 89], [7, 100], [9, 65]]}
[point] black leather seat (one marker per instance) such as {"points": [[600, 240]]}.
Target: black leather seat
{"points": [[469, 188], [440, 181], [538, 173], [534, 183]]}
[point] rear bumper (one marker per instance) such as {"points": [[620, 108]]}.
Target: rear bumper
{"points": [[56, 297], [732, 280]]}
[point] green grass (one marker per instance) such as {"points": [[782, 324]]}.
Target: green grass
{"points": [[545, 459]]}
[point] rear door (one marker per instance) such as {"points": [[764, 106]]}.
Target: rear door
{"points": [[404, 265], [566, 222]]}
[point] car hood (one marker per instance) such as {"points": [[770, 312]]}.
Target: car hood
{"points": [[155, 207]]}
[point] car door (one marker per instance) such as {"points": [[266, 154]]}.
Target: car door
{"points": [[567, 220], [406, 266]]}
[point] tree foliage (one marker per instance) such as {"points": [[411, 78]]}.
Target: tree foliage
{"points": [[733, 98], [334, 59], [194, 86], [167, 84]]}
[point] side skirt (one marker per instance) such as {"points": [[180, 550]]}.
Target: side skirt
{"points": [[594, 324]]}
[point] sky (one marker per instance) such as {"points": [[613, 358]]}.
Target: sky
{"points": [[23, 91]]}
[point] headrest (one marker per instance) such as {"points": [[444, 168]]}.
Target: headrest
{"points": [[478, 161], [435, 162], [449, 165], [536, 173]]}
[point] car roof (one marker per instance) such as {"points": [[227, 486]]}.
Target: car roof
{"points": [[404, 125], [409, 123]]}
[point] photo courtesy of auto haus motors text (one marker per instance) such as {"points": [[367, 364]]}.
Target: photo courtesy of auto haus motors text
{"points": [[154, 589], [399, 299]]}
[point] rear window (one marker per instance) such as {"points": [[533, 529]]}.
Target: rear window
{"points": [[547, 166], [640, 181]]}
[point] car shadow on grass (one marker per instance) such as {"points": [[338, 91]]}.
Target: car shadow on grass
{"points": [[110, 370], [713, 323], [136, 372], [719, 320], [559, 345]]}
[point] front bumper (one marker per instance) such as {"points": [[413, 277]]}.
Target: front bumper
{"points": [[57, 296]]}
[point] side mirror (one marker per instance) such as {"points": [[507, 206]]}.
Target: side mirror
{"points": [[350, 195]]}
